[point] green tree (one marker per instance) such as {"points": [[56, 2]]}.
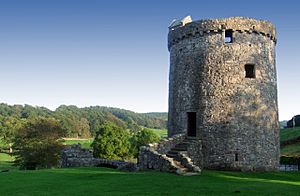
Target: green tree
{"points": [[8, 129], [141, 138], [112, 142], [37, 144]]}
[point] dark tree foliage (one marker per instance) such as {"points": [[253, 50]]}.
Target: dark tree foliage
{"points": [[37, 144], [8, 128], [84, 122], [294, 122], [141, 138], [112, 142]]}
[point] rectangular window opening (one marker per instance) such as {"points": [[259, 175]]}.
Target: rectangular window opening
{"points": [[236, 157], [250, 71], [228, 36], [191, 124]]}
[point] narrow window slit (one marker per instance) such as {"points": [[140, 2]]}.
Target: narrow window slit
{"points": [[236, 157]]}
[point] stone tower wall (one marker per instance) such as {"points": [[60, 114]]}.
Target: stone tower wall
{"points": [[237, 117]]}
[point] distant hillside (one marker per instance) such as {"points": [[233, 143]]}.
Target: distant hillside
{"points": [[282, 123], [160, 115], [294, 122], [83, 122], [290, 141]]}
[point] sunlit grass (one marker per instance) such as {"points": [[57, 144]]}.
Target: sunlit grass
{"points": [[85, 143], [260, 180], [6, 162], [289, 133], [291, 150], [162, 133], [103, 181]]}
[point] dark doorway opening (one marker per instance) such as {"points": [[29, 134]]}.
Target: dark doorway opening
{"points": [[250, 71], [191, 124]]}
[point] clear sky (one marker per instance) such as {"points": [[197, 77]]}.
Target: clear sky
{"points": [[114, 53]]}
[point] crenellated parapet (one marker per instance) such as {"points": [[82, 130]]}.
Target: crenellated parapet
{"points": [[202, 27]]}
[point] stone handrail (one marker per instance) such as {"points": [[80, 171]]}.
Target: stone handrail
{"points": [[188, 163], [153, 156], [151, 159], [166, 144]]}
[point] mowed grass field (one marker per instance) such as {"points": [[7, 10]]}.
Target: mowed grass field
{"points": [[85, 143], [104, 181], [162, 133], [6, 162], [290, 135]]}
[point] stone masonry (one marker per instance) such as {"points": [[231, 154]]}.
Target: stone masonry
{"points": [[75, 156], [163, 156], [223, 111], [223, 92]]}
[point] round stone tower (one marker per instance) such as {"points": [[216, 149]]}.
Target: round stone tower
{"points": [[223, 91]]}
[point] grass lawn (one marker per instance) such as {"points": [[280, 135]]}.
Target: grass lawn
{"points": [[289, 133], [84, 143], [103, 181], [160, 132], [291, 150], [6, 162]]}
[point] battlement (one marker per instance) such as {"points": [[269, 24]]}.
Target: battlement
{"points": [[239, 24]]}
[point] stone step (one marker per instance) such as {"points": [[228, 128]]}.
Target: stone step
{"points": [[191, 173], [182, 170], [179, 149], [181, 146], [172, 154], [178, 164], [185, 142]]}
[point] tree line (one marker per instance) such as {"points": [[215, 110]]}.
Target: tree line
{"points": [[35, 132], [79, 122], [37, 143]]}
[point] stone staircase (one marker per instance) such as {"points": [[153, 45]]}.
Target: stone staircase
{"points": [[169, 155], [179, 156], [179, 148]]}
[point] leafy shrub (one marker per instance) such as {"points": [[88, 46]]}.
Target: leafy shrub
{"points": [[37, 144], [112, 142], [142, 138]]}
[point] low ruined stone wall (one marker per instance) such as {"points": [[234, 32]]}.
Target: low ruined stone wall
{"points": [[75, 156]]}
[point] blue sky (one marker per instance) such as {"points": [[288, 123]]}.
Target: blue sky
{"points": [[114, 53]]}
